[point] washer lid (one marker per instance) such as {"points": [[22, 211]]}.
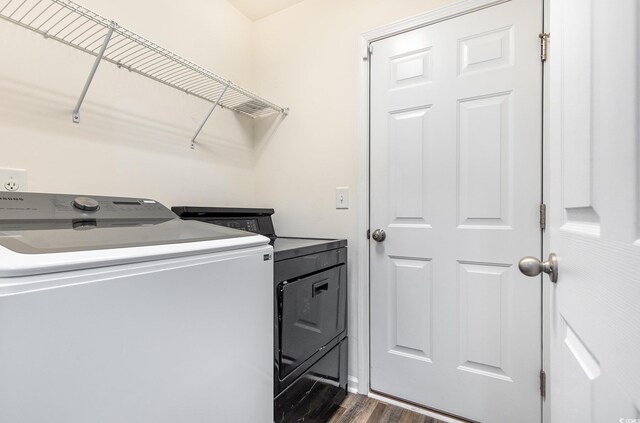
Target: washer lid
{"points": [[30, 238], [42, 233], [41, 223], [35, 252]]}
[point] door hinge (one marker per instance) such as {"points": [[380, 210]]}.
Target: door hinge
{"points": [[369, 52], [543, 216], [544, 45], [543, 384], [368, 233]]}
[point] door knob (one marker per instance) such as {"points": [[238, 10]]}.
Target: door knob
{"points": [[531, 266], [378, 235]]}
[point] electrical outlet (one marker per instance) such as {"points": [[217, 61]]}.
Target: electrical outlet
{"points": [[13, 179], [342, 197]]}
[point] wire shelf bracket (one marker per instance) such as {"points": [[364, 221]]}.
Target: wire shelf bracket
{"points": [[105, 43], [74, 25], [193, 140]]}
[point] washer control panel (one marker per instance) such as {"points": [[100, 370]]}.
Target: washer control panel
{"points": [[26, 206]]}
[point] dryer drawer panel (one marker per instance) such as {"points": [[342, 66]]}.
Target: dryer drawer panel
{"points": [[318, 392]]}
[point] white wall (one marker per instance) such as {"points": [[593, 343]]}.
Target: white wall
{"points": [[133, 139], [307, 57]]}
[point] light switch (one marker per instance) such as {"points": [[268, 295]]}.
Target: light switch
{"points": [[342, 197]]}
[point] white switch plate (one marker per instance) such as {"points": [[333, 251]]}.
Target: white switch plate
{"points": [[13, 179], [342, 197]]}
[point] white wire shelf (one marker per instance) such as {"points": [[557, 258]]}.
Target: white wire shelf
{"points": [[78, 27]]}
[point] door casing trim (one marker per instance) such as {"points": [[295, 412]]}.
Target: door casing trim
{"points": [[362, 384]]}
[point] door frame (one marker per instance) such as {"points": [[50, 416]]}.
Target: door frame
{"points": [[361, 383]]}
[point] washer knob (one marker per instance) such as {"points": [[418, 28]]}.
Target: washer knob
{"points": [[85, 204]]}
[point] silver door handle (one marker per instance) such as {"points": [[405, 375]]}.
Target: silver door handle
{"points": [[531, 266], [378, 235]]}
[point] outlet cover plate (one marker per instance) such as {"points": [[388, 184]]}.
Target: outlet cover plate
{"points": [[13, 178]]}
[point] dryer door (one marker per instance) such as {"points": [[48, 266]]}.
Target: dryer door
{"points": [[312, 311]]}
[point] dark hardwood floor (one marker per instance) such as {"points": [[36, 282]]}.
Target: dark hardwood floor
{"points": [[362, 409]]}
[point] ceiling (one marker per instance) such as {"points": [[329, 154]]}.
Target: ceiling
{"points": [[256, 9]]}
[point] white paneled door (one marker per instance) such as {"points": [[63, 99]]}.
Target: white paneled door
{"points": [[456, 187], [595, 326]]}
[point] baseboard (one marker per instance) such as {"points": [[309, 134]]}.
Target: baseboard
{"points": [[415, 409], [352, 384]]}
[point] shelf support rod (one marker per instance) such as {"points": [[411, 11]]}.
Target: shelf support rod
{"points": [[193, 140], [76, 111]]}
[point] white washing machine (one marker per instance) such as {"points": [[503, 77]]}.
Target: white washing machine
{"points": [[113, 310]]}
